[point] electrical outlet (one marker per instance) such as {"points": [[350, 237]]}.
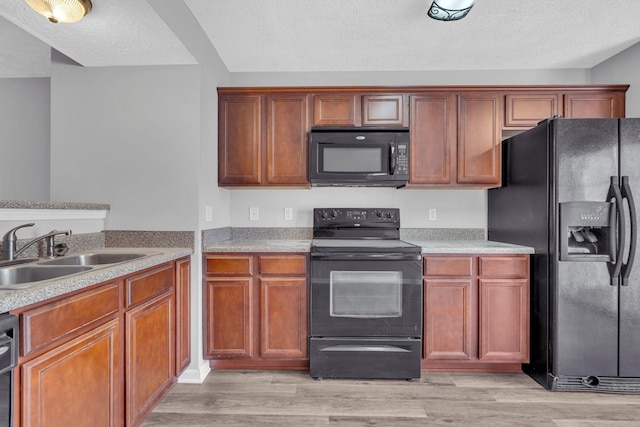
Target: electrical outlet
{"points": [[208, 213], [432, 214], [254, 214], [288, 214]]}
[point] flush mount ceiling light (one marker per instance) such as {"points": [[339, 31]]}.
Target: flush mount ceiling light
{"points": [[61, 10], [450, 10]]}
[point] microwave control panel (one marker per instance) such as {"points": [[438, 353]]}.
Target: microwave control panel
{"points": [[402, 158]]}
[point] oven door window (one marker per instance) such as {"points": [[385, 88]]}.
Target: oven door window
{"points": [[366, 294]]}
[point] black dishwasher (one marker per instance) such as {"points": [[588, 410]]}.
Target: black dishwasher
{"points": [[8, 361]]}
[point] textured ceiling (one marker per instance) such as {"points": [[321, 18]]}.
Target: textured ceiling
{"points": [[393, 35], [328, 35]]}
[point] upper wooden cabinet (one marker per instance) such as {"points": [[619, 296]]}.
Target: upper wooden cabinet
{"points": [[523, 110], [603, 105], [262, 140], [360, 110], [479, 154], [433, 134], [456, 131], [455, 139]]}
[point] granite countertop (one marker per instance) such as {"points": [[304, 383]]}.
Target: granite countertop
{"points": [[268, 245], [11, 299], [428, 247], [470, 247]]}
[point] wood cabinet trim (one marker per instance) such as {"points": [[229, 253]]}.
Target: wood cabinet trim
{"points": [[444, 265], [144, 286], [55, 321], [248, 90], [282, 265], [183, 314], [503, 266], [228, 265]]}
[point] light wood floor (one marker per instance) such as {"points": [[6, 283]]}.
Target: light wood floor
{"points": [[292, 398]]}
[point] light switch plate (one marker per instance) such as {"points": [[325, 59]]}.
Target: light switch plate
{"points": [[432, 214], [208, 213], [288, 214]]}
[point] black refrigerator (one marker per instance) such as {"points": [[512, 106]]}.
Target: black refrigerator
{"points": [[567, 192]]}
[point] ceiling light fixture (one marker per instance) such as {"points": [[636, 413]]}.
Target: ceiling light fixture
{"points": [[450, 10], [61, 10]]}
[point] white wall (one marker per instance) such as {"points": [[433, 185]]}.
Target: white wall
{"points": [[24, 139], [622, 68], [129, 137], [408, 78], [454, 208]]}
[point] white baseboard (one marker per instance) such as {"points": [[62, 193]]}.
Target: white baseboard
{"points": [[195, 375]]}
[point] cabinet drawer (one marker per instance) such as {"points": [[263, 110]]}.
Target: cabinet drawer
{"points": [[149, 284], [504, 266], [229, 265], [53, 321], [448, 266], [281, 265]]}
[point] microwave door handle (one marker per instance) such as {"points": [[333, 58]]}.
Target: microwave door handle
{"points": [[392, 160]]}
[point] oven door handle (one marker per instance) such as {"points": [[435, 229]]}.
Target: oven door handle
{"points": [[348, 256]]}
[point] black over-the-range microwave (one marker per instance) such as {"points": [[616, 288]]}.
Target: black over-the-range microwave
{"points": [[359, 157]]}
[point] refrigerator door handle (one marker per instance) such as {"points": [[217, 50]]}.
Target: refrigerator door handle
{"points": [[616, 266], [627, 194]]}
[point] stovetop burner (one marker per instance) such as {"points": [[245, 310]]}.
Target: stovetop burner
{"points": [[363, 245], [358, 230]]}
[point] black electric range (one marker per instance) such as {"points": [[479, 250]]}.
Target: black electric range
{"points": [[365, 296]]}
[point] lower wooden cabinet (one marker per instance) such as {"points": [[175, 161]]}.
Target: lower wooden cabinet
{"points": [[76, 384], [476, 309], [150, 355], [256, 310], [106, 355]]}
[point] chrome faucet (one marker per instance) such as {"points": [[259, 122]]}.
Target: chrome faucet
{"points": [[9, 241]]}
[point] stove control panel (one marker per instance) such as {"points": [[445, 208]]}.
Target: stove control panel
{"points": [[352, 215]]}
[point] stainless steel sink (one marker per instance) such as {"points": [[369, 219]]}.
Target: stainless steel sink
{"points": [[22, 276], [94, 259]]}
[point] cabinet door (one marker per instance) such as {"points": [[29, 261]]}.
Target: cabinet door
{"points": [[240, 139], [479, 125], [149, 356], [77, 384], [383, 110], [597, 105], [504, 320], [287, 129], [525, 110], [336, 110], [283, 317], [449, 325], [229, 317], [433, 139], [183, 314]]}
